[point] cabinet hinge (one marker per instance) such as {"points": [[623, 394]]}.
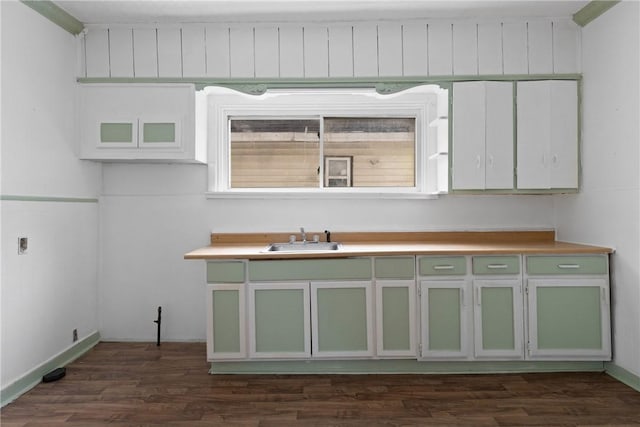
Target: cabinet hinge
{"points": [[420, 349], [419, 291]]}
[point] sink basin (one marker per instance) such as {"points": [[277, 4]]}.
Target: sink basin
{"points": [[303, 247]]}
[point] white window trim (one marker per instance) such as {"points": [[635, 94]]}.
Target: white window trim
{"points": [[223, 103]]}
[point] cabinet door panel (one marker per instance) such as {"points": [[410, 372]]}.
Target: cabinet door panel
{"points": [[564, 134], [226, 324], [468, 136], [534, 135], [499, 135], [569, 319], [279, 320], [444, 321], [498, 319], [395, 303], [341, 319]]}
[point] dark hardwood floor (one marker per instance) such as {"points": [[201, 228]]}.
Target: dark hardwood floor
{"points": [[141, 384]]}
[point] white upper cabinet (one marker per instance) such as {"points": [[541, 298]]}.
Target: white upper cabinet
{"points": [[547, 122], [482, 136], [140, 122]]}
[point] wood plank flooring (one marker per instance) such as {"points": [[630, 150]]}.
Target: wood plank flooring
{"points": [[138, 384]]}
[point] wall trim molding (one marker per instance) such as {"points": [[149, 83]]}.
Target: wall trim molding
{"points": [[55, 14], [34, 377], [592, 10], [622, 375], [384, 85], [17, 198]]}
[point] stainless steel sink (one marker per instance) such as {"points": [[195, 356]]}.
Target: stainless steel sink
{"points": [[303, 247]]}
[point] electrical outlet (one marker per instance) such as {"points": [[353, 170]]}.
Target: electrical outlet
{"points": [[75, 335], [23, 244]]}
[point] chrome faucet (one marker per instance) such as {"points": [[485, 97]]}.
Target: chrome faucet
{"points": [[303, 234]]}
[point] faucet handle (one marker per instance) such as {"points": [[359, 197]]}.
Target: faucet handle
{"points": [[292, 238]]}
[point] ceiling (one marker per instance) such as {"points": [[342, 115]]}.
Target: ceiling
{"points": [[177, 11]]}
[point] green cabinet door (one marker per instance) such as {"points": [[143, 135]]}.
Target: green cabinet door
{"points": [[226, 321], [279, 320], [498, 331], [341, 319], [395, 318], [444, 319], [569, 319]]}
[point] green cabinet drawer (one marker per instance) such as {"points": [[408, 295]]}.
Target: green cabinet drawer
{"points": [[225, 272], [395, 268], [558, 265], [496, 264], [442, 266], [317, 269]]}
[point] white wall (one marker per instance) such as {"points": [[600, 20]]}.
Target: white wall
{"points": [[52, 289], [151, 215], [607, 210]]}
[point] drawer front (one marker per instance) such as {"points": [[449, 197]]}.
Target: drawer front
{"points": [[225, 272], [320, 269], [559, 265], [496, 264], [443, 266], [395, 268]]}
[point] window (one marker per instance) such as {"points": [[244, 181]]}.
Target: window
{"points": [[320, 142]]}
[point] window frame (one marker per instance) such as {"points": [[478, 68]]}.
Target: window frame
{"points": [[224, 103]]}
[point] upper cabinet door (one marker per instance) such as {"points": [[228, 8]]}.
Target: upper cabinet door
{"points": [[468, 136], [482, 136], [547, 121], [564, 134], [499, 135]]}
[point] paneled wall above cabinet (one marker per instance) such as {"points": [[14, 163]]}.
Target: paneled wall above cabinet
{"points": [[332, 50]]}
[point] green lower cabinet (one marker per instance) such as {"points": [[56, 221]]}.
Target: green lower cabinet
{"points": [[341, 319], [444, 319], [279, 317], [395, 318], [226, 322], [498, 327], [569, 319]]}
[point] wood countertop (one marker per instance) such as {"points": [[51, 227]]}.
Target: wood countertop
{"points": [[253, 245]]}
